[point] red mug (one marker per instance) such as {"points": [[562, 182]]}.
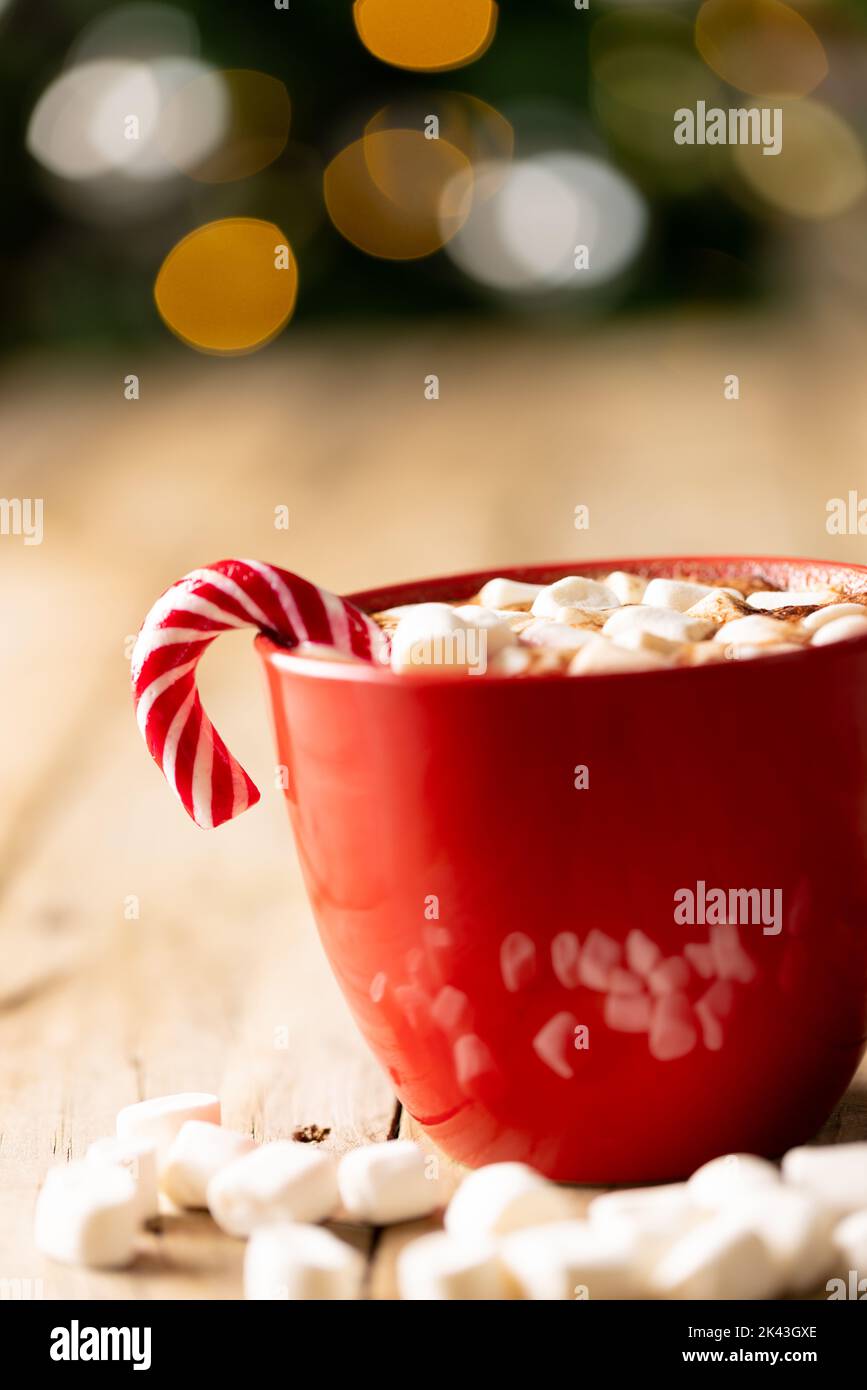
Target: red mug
{"points": [[486, 905]]}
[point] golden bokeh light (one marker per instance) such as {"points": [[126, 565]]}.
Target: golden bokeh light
{"points": [[256, 115], [420, 197], [426, 35], [478, 130], [820, 171], [760, 46], [228, 287]]}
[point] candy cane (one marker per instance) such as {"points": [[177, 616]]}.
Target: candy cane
{"points": [[210, 784]]}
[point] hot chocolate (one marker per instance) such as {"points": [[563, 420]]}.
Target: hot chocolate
{"points": [[624, 622]]}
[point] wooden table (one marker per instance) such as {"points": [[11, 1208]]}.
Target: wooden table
{"points": [[142, 956]]}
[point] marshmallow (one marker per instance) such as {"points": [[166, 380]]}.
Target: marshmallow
{"points": [[88, 1214], [674, 593], [638, 639], [717, 606], [138, 1157], [431, 635], [723, 1180], [503, 1197], [813, 621], [795, 1229], [836, 1174], [508, 593], [663, 622], [498, 634], [277, 1182], [199, 1151], [384, 1183], [756, 630], [160, 1119], [652, 1217], [289, 1262], [748, 652], [573, 592], [766, 600], [718, 1259], [673, 1032], [839, 630], [572, 1260], [442, 1266], [629, 588], [850, 1241], [642, 954], [557, 636], [627, 1013], [592, 618], [511, 661], [601, 657]]}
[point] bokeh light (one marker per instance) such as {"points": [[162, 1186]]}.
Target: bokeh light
{"points": [[421, 195], [254, 114], [643, 68], [426, 35], [138, 31], [474, 127], [761, 46], [525, 235], [74, 131], [229, 287], [820, 170]]}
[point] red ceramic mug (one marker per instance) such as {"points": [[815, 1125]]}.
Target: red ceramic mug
{"points": [[475, 903]]}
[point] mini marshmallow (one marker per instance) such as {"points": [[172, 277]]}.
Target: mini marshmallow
{"points": [[674, 593], [850, 1241], [277, 1182], [629, 588], [723, 1180], [384, 1183], [795, 1229], [440, 1266], [718, 1259], [600, 657], [290, 1262], [138, 1157], [766, 600], [756, 630], [503, 1197], [88, 1214], [573, 592], [663, 622], [432, 636], [592, 618], [835, 1174], [638, 639], [572, 1260], [717, 606], [839, 630], [557, 636], [511, 661], [160, 1119], [748, 652], [199, 1151], [831, 612], [498, 634], [652, 1217], [508, 593]]}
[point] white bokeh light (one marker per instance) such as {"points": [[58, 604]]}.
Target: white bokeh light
{"points": [[529, 218]]}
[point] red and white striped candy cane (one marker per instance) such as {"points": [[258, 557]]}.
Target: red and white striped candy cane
{"points": [[210, 784]]}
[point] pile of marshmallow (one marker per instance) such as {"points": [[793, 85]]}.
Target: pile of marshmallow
{"points": [[737, 1229], [622, 623]]}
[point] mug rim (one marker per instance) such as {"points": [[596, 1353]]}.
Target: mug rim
{"points": [[374, 600]]}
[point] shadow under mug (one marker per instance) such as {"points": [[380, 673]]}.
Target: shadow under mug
{"points": [[475, 890]]}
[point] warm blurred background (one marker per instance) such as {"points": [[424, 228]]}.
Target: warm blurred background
{"points": [[429, 352]]}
